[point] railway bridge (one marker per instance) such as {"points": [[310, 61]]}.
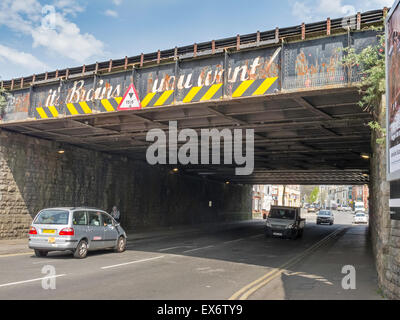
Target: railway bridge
{"points": [[68, 138]]}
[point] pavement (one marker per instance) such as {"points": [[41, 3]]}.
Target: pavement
{"points": [[207, 262], [320, 275]]}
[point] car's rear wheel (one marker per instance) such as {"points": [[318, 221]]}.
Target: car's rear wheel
{"points": [[121, 244], [81, 250], [41, 253]]}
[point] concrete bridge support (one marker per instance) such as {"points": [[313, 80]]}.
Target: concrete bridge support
{"points": [[33, 175]]}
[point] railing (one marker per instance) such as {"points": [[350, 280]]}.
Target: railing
{"points": [[271, 36]]}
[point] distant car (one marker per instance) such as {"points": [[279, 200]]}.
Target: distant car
{"points": [[360, 218], [311, 209], [346, 208], [326, 217], [78, 230]]}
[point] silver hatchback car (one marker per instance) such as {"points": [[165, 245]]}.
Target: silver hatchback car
{"points": [[75, 229]]}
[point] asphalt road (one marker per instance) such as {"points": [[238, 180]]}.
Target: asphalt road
{"points": [[212, 264]]}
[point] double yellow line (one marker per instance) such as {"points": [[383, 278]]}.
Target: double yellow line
{"points": [[247, 291]]}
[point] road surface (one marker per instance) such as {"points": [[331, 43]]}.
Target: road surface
{"points": [[217, 264]]}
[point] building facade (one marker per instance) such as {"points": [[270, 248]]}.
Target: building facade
{"points": [[265, 196]]}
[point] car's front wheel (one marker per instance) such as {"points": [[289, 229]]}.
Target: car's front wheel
{"points": [[41, 253], [81, 250], [121, 244]]}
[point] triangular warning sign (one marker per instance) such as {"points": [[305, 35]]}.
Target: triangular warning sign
{"points": [[130, 101]]}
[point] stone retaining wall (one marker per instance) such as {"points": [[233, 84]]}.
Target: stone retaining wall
{"points": [[33, 176]]}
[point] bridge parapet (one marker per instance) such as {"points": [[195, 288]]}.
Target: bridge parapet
{"points": [[251, 69]]}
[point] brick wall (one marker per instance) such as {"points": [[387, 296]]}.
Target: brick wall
{"points": [[34, 176]]}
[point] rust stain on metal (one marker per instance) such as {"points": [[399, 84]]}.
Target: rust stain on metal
{"points": [[21, 103], [328, 26]]}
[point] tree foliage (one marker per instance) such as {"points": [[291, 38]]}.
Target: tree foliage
{"points": [[3, 101], [313, 197], [370, 64]]}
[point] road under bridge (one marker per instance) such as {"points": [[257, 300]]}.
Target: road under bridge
{"points": [[66, 141]]}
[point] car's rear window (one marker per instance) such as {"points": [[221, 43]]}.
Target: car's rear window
{"points": [[324, 213], [52, 217], [360, 215]]}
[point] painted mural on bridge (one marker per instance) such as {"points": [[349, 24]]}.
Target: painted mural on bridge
{"points": [[253, 72]]}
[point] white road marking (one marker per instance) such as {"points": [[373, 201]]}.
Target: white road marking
{"points": [[15, 254], [197, 249], [231, 241], [132, 262], [45, 261], [257, 236], [172, 248], [32, 280]]}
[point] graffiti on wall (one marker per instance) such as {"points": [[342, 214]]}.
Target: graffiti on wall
{"points": [[258, 71]]}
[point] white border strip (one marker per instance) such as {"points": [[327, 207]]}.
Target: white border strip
{"points": [[394, 203]]}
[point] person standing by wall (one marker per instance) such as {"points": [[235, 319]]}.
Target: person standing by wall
{"points": [[116, 214]]}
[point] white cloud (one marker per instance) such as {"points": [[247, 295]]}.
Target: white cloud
{"points": [[315, 10], [111, 13], [22, 59], [117, 2], [67, 40], [379, 3], [308, 11], [302, 11], [63, 37], [71, 7]]}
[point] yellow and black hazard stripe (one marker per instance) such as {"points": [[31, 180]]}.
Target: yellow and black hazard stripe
{"points": [[83, 107], [254, 87], [48, 112], [157, 99], [196, 94], [109, 105]]}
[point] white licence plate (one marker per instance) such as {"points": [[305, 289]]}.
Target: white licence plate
{"points": [[277, 234]]}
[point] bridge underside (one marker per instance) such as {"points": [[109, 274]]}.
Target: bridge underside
{"points": [[307, 137]]}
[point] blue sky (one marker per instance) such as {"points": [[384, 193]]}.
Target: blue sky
{"points": [[44, 35]]}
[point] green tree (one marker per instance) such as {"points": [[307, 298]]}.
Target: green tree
{"points": [[313, 197], [3, 101], [370, 63]]}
